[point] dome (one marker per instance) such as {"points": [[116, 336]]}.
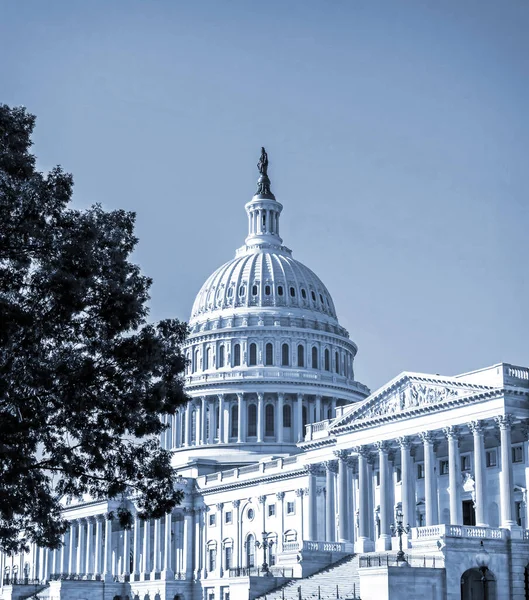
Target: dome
{"points": [[263, 278]]}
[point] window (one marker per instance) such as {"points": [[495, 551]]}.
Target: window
{"points": [[517, 454], [314, 357], [301, 356], [234, 421], [398, 474], [230, 292], [269, 420], [443, 467], [293, 292], [279, 290], [337, 362], [465, 462], [250, 551], [227, 557], [212, 520], [207, 358], [242, 290], [491, 458], [271, 510], [420, 470], [287, 416], [304, 416], [228, 517], [267, 290], [327, 360], [269, 354], [237, 355], [377, 478], [221, 356], [254, 290], [313, 295], [303, 294], [212, 559], [284, 355], [250, 514], [291, 508], [252, 420], [321, 299], [193, 426], [518, 512], [253, 355], [196, 359]]}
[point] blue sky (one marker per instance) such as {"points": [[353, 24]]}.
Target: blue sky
{"points": [[397, 134]]}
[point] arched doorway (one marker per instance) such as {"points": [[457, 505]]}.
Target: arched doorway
{"points": [[473, 587]]}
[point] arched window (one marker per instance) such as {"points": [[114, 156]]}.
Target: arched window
{"points": [[344, 366], [305, 417], [183, 430], [269, 354], [267, 290], [221, 357], [284, 355], [253, 355], [250, 551], [293, 292], [279, 290], [234, 431], [217, 423], [287, 416], [269, 420], [208, 422], [301, 356], [303, 293], [327, 360], [252, 420], [196, 360], [314, 357], [337, 362], [193, 426], [237, 355], [254, 290], [207, 358]]}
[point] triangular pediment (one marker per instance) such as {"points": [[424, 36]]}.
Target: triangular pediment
{"points": [[408, 394]]}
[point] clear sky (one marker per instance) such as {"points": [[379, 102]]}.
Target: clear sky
{"points": [[397, 134]]}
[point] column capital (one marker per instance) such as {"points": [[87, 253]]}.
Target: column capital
{"points": [[240, 396], [504, 421], [280, 395], [352, 463], [331, 465], [300, 397], [312, 469], [341, 454], [362, 451], [404, 441], [260, 396], [453, 432], [382, 447], [476, 427], [280, 495], [220, 506], [221, 396], [261, 499], [236, 503], [300, 492], [427, 437]]}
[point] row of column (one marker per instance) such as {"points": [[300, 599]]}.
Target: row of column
{"points": [[180, 431]]}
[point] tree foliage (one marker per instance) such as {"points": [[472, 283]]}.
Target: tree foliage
{"points": [[83, 377]]}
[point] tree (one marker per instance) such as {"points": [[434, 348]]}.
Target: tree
{"points": [[83, 377]]}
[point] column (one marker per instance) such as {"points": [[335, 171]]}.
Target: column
{"points": [[107, 573], [188, 424], [187, 542], [221, 418], [156, 549], [299, 418], [197, 512], [318, 409], [406, 478], [331, 468], [260, 417], [126, 553], [89, 562], [211, 436], [167, 570], [504, 422], [299, 494], [237, 540], [279, 417], [203, 417], [71, 553], [364, 544], [312, 534], [62, 558], [429, 478], [98, 545], [343, 513], [476, 427], [280, 496], [80, 546], [146, 563], [136, 547], [352, 465], [241, 435], [384, 540], [220, 525]]}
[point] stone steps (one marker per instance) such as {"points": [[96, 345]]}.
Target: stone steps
{"points": [[338, 581]]}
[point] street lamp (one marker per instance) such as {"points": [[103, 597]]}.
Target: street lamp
{"points": [[483, 560], [398, 528], [266, 544]]}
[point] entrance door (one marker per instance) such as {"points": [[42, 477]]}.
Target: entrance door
{"points": [[469, 514]]}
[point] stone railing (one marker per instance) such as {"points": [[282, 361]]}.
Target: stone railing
{"points": [[520, 375], [460, 531], [323, 546], [290, 546], [316, 430]]}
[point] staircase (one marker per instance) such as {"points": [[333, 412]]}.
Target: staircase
{"points": [[339, 580]]}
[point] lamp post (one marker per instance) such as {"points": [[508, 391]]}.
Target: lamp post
{"points": [[398, 528], [483, 560], [266, 544]]}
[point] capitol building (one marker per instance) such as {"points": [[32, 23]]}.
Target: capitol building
{"points": [[299, 482]]}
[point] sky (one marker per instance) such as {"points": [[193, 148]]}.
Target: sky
{"points": [[397, 134]]}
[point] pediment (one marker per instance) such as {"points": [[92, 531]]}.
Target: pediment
{"points": [[408, 394]]}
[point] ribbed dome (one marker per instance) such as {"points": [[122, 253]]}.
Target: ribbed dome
{"points": [[263, 278]]}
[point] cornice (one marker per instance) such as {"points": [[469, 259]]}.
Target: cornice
{"points": [[241, 484]]}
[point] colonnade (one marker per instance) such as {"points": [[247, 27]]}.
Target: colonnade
{"points": [[230, 418], [352, 471]]}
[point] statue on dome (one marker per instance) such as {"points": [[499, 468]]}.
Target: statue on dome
{"points": [[262, 165]]}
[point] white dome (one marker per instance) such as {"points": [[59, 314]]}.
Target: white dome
{"points": [[263, 278]]}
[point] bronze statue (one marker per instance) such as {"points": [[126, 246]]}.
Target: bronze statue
{"points": [[262, 165]]}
